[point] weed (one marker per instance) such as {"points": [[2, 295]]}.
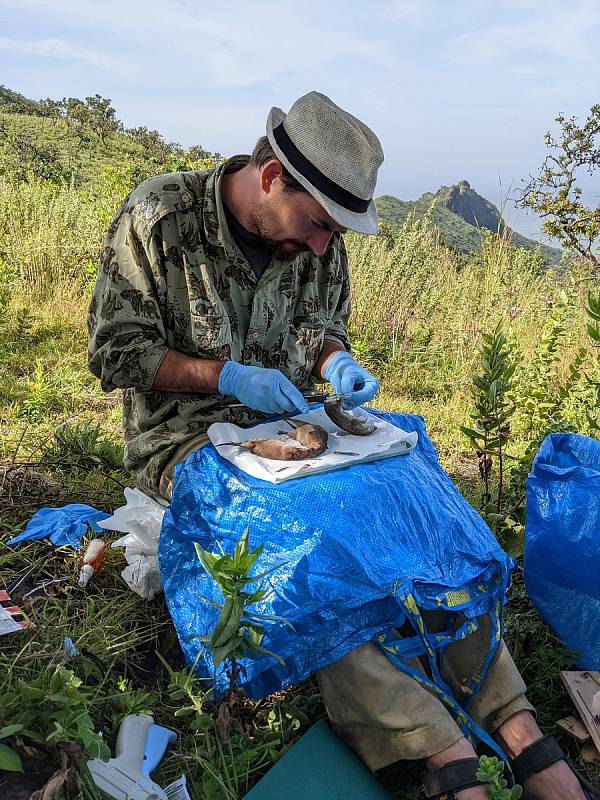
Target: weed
{"points": [[238, 631], [493, 413], [52, 707], [593, 329], [490, 772]]}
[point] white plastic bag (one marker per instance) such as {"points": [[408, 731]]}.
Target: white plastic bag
{"points": [[141, 520]]}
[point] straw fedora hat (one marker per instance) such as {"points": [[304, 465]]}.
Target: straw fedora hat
{"points": [[332, 154]]}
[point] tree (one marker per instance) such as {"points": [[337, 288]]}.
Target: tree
{"points": [[93, 117], [102, 117], [53, 109], [152, 142], [199, 153], [555, 194]]}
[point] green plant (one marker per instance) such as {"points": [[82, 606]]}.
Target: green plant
{"points": [[39, 395], [9, 759], [185, 687], [238, 631], [555, 194], [593, 329], [493, 412], [88, 445], [53, 709], [490, 771], [26, 158], [539, 391]]}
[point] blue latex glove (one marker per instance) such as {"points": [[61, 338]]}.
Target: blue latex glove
{"points": [[345, 375], [266, 390], [63, 526]]}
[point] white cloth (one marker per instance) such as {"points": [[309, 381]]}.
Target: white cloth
{"points": [[343, 448], [141, 520]]}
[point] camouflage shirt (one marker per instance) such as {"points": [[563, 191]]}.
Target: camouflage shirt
{"points": [[172, 278]]}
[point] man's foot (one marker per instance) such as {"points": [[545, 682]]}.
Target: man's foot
{"points": [[459, 750], [556, 782]]}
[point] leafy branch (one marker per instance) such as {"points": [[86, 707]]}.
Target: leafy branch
{"points": [[493, 411], [554, 193], [238, 631]]}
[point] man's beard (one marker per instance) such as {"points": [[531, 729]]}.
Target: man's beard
{"points": [[286, 250]]}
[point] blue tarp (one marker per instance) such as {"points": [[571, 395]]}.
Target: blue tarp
{"points": [[348, 543], [562, 541]]}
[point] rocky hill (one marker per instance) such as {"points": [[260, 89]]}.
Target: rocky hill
{"points": [[459, 213]]}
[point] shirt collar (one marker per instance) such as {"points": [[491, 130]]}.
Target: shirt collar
{"points": [[213, 212]]}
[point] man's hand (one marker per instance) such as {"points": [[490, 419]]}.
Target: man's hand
{"points": [[266, 390], [345, 375]]}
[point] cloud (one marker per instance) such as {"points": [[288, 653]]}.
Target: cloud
{"points": [[545, 34], [53, 48], [233, 44]]}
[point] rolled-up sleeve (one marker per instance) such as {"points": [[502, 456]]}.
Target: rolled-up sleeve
{"points": [[339, 298], [127, 341]]}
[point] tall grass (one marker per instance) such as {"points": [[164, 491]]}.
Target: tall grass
{"points": [[418, 299], [49, 238]]}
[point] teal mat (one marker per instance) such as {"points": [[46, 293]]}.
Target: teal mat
{"points": [[318, 767]]}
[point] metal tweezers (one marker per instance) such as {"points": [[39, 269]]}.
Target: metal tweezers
{"points": [[311, 397]]}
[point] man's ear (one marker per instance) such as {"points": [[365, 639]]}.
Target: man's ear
{"points": [[268, 173]]}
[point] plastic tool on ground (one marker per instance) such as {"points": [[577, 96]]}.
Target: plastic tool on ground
{"points": [[140, 746], [318, 766]]}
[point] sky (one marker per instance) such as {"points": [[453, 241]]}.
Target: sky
{"points": [[455, 89]]}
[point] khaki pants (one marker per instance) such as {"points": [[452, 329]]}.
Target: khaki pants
{"points": [[387, 716], [383, 714], [165, 486]]}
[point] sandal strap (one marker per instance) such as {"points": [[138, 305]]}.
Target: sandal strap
{"points": [[536, 757], [452, 777]]}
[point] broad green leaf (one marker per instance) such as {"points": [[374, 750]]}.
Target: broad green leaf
{"points": [[10, 730], [9, 760]]}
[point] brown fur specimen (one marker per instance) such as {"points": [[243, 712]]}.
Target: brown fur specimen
{"points": [[310, 442], [346, 421]]}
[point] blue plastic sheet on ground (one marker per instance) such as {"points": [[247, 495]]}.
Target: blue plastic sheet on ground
{"points": [[353, 547], [62, 526], [562, 541]]}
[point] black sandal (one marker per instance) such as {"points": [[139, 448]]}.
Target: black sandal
{"points": [[455, 776], [539, 756]]}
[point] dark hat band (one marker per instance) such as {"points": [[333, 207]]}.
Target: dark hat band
{"points": [[320, 181]]}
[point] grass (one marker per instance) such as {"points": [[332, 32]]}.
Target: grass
{"points": [[85, 161], [418, 313]]}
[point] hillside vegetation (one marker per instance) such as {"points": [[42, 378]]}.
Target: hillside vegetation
{"points": [[460, 214], [419, 313]]}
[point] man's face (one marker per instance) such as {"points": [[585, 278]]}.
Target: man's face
{"points": [[293, 222]]}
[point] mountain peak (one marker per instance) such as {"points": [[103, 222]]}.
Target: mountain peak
{"points": [[459, 213], [464, 201]]}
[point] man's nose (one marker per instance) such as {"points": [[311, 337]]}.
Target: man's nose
{"points": [[318, 242]]}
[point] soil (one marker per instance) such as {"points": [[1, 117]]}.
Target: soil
{"points": [[47, 774]]}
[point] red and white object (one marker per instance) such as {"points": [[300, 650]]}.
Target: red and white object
{"points": [[92, 560]]}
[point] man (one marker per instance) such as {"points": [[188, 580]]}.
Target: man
{"points": [[231, 285]]}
